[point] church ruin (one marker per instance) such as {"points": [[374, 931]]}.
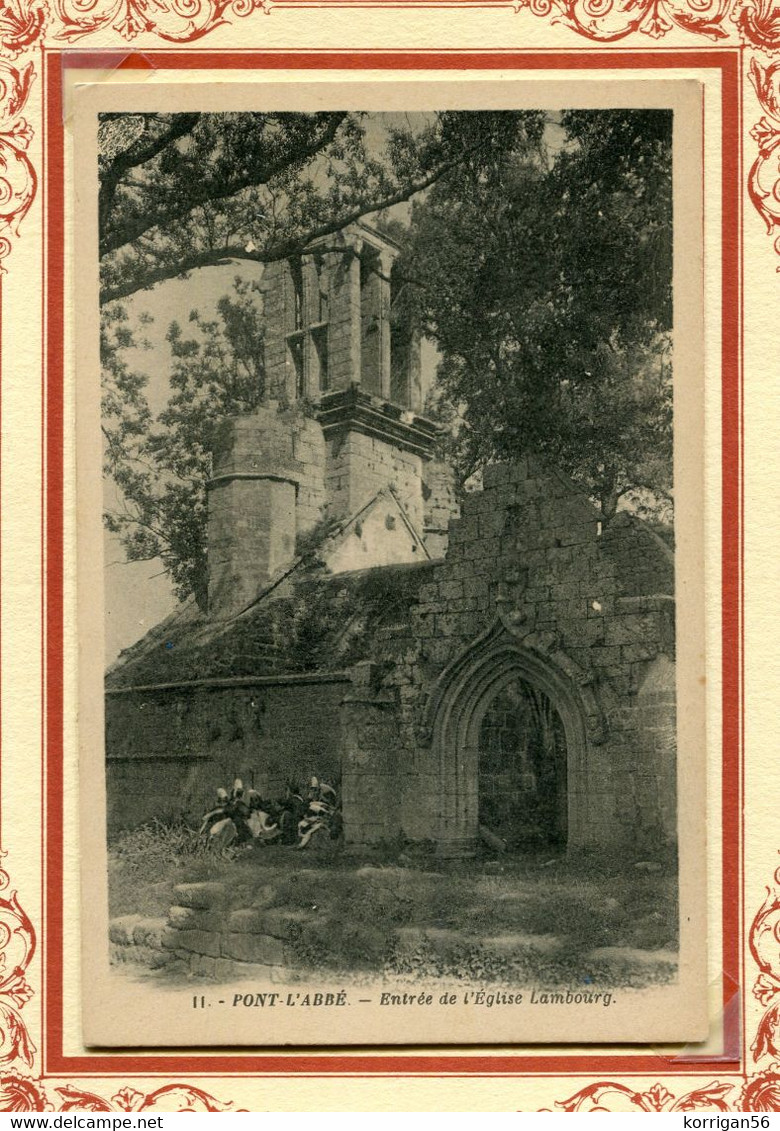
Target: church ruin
{"points": [[506, 662]]}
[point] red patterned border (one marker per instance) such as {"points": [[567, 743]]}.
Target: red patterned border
{"points": [[20, 1093], [753, 1093], [758, 1092], [608, 1095], [764, 943], [24, 22], [434, 1062], [607, 21], [175, 21], [18, 180], [21, 24], [764, 175], [17, 947]]}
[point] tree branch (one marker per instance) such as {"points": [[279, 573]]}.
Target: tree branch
{"points": [[138, 154], [205, 191], [220, 257]]}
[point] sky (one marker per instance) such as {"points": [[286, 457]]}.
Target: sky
{"points": [[138, 595]]}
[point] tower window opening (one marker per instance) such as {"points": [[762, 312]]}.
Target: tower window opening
{"points": [[320, 341], [400, 364], [296, 274], [295, 349], [322, 292], [370, 322]]}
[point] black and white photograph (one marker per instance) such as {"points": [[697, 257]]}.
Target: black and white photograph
{"points": [[396, 496]]}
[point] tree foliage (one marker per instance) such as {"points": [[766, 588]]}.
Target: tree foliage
{"points": [[183, 191], [545, 280], [538, 259], [160, 463]]}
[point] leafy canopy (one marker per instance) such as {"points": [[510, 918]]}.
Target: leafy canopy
{"points": [[180, 192], [160, 464], [538, 259], [545, 281], [183, 191]]}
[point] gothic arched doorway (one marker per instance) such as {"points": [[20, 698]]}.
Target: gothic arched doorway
{"points": [[496, 677], [522, 787]]}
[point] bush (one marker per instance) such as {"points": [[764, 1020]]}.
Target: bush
{"points": [[157, 845], [146, 862]]}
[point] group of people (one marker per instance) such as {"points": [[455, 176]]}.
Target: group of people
{"points": [[293, 819]]}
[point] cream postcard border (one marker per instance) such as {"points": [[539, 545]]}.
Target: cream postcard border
{"points": [[657, 1014], [21, 1083]]}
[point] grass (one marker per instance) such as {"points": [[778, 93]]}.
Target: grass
{"points": [[358, 907]]}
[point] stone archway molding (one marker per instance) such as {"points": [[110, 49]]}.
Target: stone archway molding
{"points": [[542, 655], [455, 709]]}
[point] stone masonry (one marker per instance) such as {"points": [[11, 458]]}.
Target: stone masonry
{"points": [[305, 663], [340, 426], [205, 936], [532, 588]]}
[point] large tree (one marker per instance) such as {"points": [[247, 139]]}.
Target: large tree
{"points": [[180, 193], [545, 280], [160, 463], [184, 191], [538, 259]]}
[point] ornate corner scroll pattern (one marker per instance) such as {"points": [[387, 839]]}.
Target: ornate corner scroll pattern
{"points": [[18, 179], [608, 1095], [760, 1091], [20, 1093], [607, 21], [21, 25], [764, 944], [764, 175], [758, 23], [169, 1098], [175, 21], [17, 947]]}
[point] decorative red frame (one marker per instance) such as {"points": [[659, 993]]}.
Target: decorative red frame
{"points": [[727, 61]]}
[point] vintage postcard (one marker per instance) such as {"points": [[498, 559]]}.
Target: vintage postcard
{"points": [[403, 731], [386, 486]]}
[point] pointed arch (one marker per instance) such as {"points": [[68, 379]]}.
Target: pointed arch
{"points": [[457, 706]]}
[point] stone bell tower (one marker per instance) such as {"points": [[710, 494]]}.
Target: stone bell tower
{"points": [[341, 425], [331, 340]]}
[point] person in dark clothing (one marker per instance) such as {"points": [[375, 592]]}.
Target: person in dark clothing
{"points": [[293, 807], [218, 813], [238, 811]]}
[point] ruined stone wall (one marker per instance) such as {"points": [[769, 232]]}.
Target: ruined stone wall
{"points": [[267, 487], [358, 466], [372, 761], [655, 720], [644, 562], [440, 505], [528, 568], [205, 935], [308, 446], [527, 553], [169, 750], [279, 312], [252, 530]]}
